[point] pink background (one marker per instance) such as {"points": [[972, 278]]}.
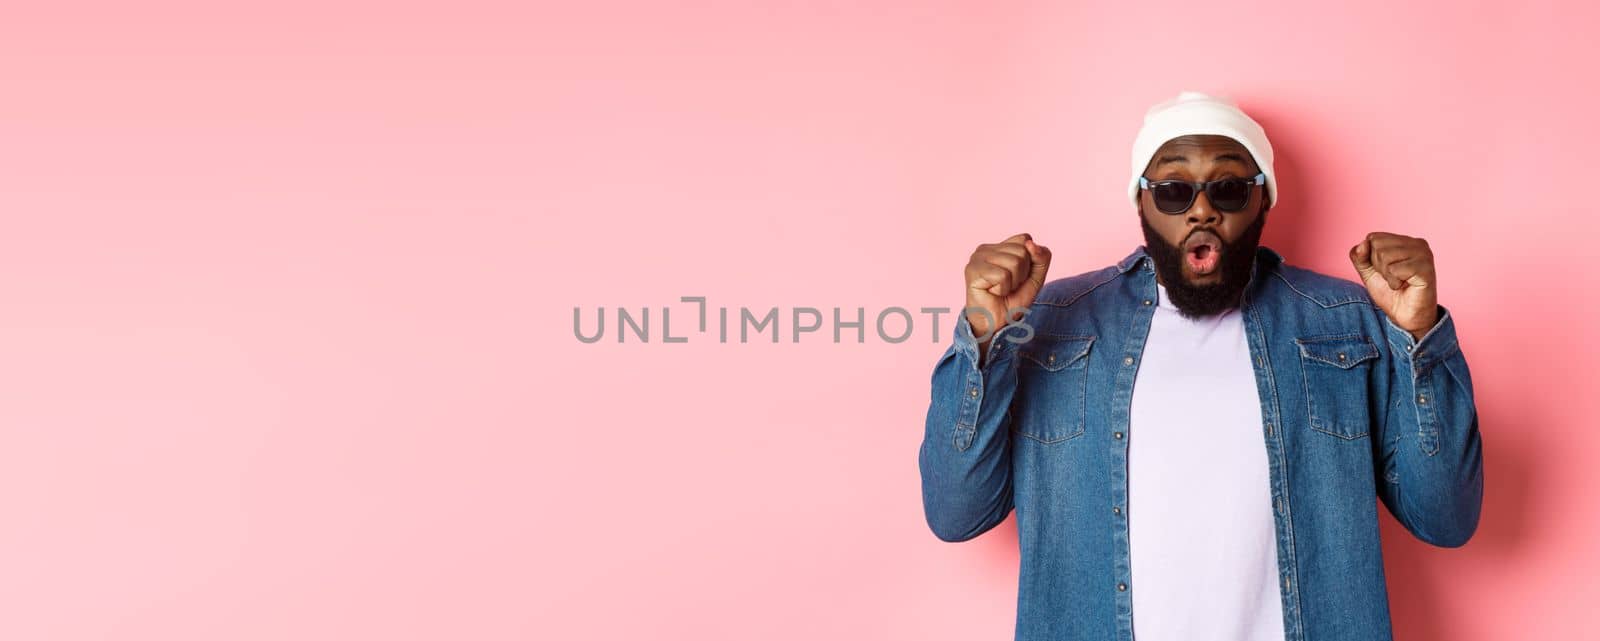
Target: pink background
{"points": [[286, 297]]}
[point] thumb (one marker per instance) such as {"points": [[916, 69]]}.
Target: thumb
{"points": [[1040, 256], [1361, 258]]}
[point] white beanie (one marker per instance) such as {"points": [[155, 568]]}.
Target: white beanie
{"points": [[1195, 113]]}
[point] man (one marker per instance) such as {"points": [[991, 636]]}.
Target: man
{"points": [[1192, 438]]}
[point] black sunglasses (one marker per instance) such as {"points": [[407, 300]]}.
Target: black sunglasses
{"points": [[1226, 194]]}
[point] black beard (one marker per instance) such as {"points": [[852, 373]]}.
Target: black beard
{"points": [[1194, 301]]}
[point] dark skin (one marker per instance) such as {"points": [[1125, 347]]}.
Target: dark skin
{"points": [[1196, 159], [1397, 270]]}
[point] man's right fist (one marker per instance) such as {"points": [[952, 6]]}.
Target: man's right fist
{"points": [[1003, 276]]}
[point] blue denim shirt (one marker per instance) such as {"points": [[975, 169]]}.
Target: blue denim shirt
{"points": [[1352, 407]]}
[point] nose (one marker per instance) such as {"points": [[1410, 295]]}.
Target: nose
{"points": [[1201, 212]]}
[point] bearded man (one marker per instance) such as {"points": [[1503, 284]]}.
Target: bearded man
{"points": [[1192, 438]]}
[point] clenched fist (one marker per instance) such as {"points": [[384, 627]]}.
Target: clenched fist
{"points": [[1003, 276], [1398, 273]]}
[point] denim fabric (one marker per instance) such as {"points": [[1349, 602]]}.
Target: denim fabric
{"points": [[1352, 407]]}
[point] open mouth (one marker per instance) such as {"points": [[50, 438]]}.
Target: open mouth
{"points": [[1202, 251]]}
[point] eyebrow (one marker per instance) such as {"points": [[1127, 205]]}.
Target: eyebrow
{"points": [[1178, 158]]}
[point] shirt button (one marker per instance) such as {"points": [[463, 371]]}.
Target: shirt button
{"points": [[1408, 348], [1051, 359], [1341, 356], [1422, 399], [1116, 435], [973, 392], [1116, 510], [1127, 360], [1122, 587], [1147, 302]]}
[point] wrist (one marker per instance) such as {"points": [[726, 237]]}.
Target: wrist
{"points": [[1422, 326]]}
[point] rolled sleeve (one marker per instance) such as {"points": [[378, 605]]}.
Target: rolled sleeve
{"points": [[1432, 449], [1437, 344], [965, 458], [977, 369]]}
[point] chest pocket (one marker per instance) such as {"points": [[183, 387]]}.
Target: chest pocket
{"points": [[1336, 370], [1052, 382]]}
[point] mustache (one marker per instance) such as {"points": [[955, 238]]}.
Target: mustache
{"points": [[1201, 300], [1226, 244]]}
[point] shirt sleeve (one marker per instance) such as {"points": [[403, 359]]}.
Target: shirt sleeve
{"points": [[1429, 449], [965, 458]]}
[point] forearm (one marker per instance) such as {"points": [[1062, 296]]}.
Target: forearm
{"points": [[965, 458], [1431, 452]]}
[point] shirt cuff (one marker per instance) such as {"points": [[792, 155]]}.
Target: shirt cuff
{"points": [[1438, 343], [999, 347]]}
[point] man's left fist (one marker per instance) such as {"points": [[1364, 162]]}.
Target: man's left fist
{"points": [[1398, 273]]}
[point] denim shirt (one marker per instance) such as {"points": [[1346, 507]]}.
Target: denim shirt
{"points": [[1353, 407]]}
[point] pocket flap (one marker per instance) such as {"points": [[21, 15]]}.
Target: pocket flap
{"points": [[1055, 352], [1343, 352]]}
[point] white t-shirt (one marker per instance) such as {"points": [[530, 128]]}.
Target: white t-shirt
{"points": [[1201, 531]]}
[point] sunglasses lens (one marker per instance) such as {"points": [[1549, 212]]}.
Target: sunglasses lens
{"points": [[1229, 195], [1172, 198]]}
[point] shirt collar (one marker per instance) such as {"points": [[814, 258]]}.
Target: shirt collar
{"points": [[1132, 260], [1161, 296]]}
